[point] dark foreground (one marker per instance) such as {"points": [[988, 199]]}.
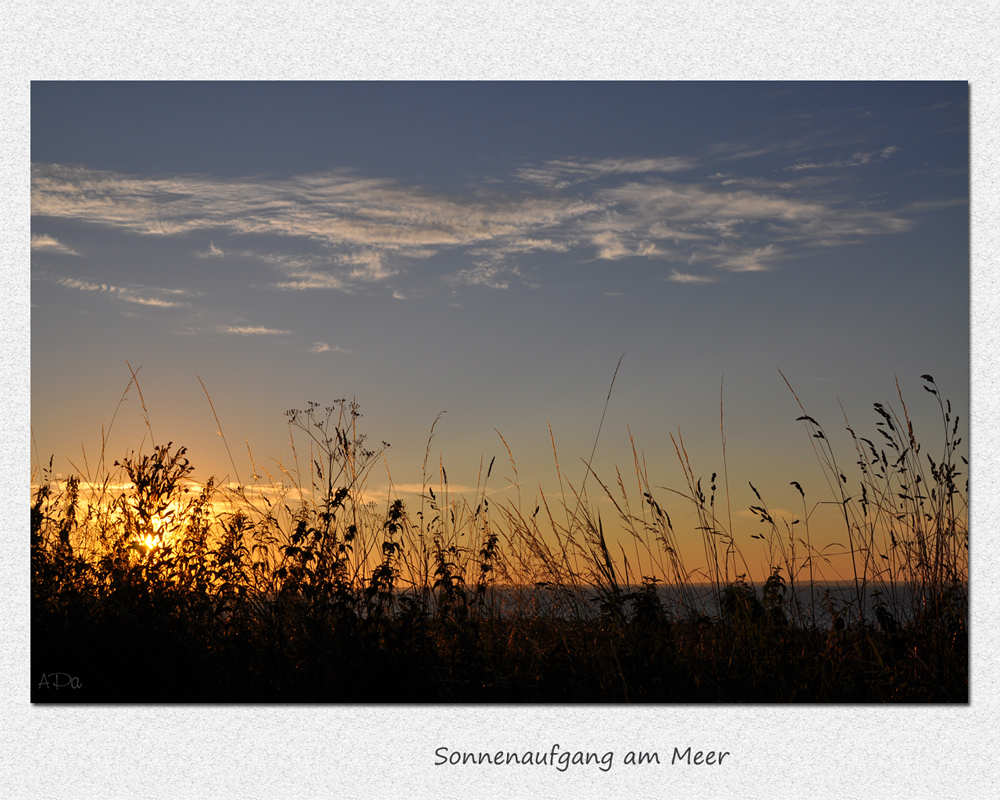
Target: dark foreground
{"points": [[150, 649]]}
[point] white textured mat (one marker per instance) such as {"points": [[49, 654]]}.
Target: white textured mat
{"points": [[295, 752]]}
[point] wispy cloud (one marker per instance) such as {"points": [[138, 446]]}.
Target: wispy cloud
{"points": [[563, 173], [305, 274], [212, 252], [333, 208], [368, 266], [684, 277], [146, 297], [323, 347], [419, 489], [248, 330], [349, 232], [41, 241], [732, 230], [858, 159], [492, 276], [757, 260]]}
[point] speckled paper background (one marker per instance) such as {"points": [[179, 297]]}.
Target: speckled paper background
{"points": [[388, 752]]}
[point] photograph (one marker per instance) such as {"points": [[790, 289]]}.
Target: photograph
{"points": [[645, 393]]}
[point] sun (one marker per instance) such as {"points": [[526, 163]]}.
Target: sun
{"points": [[163, 527], [150, 541]]}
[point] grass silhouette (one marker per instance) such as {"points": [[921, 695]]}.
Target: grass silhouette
{"points": [[297, 587]]}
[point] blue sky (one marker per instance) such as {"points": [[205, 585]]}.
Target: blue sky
{"points": [[490, 250]]}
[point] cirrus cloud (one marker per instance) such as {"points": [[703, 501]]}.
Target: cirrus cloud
{"points": [[251, 330], [349, 231], [41, 241]]}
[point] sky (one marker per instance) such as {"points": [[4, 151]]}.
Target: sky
{"points": [[490, 251]]}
